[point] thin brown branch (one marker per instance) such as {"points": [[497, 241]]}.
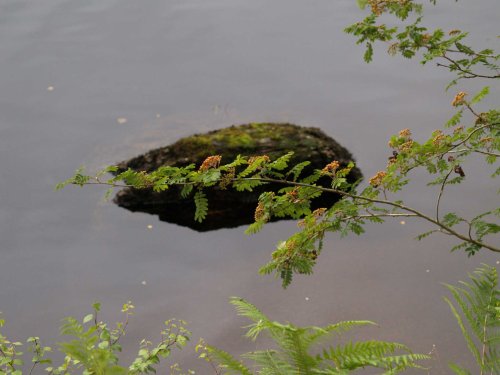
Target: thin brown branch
{"points": [[467, 73], [474, 54], [470, 230], [472, 111], [470, 149], [441, 191], [443, 228], [37, 353], [385, 202], [33, 367], [464, 141], [453, 146], [367, 216]]}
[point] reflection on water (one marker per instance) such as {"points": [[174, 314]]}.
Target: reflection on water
{"points": [[168, 68]]}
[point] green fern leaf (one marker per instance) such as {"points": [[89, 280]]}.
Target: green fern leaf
{"points": [[255, 227], [480, 95], [246, 185], [478, 321], [281, 163], [271, 362], [246, 309], [297, 170], [468, 339], [201, 203], [186, 190], [230, 364], [459, 370], [338, 328]]}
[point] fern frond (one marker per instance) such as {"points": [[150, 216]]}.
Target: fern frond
{"points": [[230, 364], [314, 177], [295, 348], [255, 227], [320, 332], [398, 363], [281, 163], [468, 339], [246, 185], [293, 355], [254, 164], [370, 353], [469, 307], [186, 190], [479, 322], [240, 160], [459, 370], [297, 170], [246, 309], [270, 362], [201, 203]]}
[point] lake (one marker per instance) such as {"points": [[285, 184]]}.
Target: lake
{"points": [[96, 82]]}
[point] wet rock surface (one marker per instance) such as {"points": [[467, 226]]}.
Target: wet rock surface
{"points": [[228, 208]]}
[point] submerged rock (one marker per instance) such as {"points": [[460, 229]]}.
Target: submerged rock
{"points": [[228, 208]]}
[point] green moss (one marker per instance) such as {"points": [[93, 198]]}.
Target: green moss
{"points": [[273, 139], [246, 139], [194, 147]]}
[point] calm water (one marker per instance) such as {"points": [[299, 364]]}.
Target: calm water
{"points": [[71, 69]]}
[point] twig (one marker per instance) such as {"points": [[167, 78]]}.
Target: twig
{"points": [[459, 68], [474, 150], [385, 202], [441, 191]]}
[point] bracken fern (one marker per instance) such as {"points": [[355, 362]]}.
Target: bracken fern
{"points": [[296, 348], [479, 320]]}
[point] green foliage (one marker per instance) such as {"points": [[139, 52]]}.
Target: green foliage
{"points": [[410, 37], [468, 133], [441, 155], [476, 310], [296, 347], [93, 348], [201, 202], [297, 170]]}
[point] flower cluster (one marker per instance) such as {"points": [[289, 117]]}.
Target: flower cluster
{"points": [[332, 167], [226, 180], [317, 213], [405, 133], [210, 162], [403, 136], [438, 138], [260, 212], [405, 147], [312, 220], [378, 6], [263, 158], [377, 179], [459, 99]]}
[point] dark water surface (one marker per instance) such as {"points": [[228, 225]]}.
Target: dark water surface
{"points": [[70, 69]]}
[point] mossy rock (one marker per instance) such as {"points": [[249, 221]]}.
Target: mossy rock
{"points": [[228, 208]]}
